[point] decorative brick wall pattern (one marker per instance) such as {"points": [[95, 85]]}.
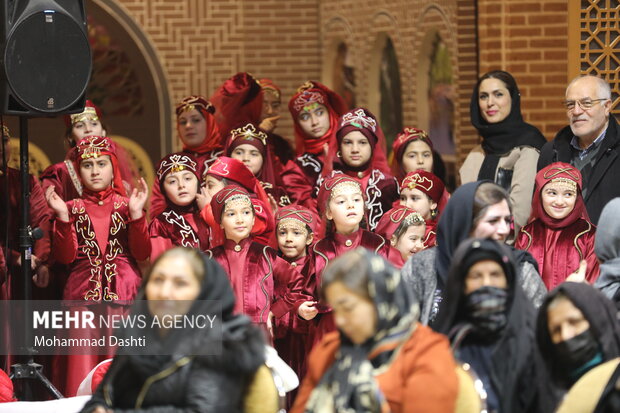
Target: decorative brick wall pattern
{"points": [[407, 23], [529, 39], [203, 42]]}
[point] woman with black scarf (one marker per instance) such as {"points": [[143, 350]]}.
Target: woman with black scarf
{"points": [[183, 369], [510, 147], [577, 330], [477, 209], [490, 325]]}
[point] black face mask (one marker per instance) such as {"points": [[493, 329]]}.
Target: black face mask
{"points": [[486, 309], [577, 351]]}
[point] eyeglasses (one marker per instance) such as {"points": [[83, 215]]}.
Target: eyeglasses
{"points": [[584, 104]]}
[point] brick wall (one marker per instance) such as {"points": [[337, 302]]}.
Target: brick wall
{"points": [[201, 43], [530, 40]]}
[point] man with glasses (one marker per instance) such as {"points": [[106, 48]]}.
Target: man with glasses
{"points": [[589, 142]]}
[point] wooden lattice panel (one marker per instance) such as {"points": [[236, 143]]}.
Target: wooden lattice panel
{"points": [[600, 43]]}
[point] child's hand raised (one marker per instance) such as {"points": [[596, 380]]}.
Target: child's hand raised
{"points": [[57, 204], [203, 198], [137, 200]]}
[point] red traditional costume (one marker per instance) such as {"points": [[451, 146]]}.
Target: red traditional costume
{"points": [[378, 185], [389, 223], [238, 101], [204, 154], [334, 245], [286, 183], [559, 244], [262, 281], [432, 186], [65, 177], [403, 139], [310, 151], [178, 225], [234, 171], [291, 331], [101, 245]]}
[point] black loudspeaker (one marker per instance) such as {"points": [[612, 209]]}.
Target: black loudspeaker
{"points": [[46, 58]]}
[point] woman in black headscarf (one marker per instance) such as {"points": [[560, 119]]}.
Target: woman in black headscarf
{"points": [[577, 330], [490, 324], [183, 369], [510, 147], [477, 209]]}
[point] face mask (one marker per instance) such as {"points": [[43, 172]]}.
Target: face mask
{"points": [[486, 309], [577, 351]]}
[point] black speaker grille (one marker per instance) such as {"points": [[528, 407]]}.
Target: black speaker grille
{"points": [[48, 61]]}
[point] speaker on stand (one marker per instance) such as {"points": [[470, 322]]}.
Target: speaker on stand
{"points": [[45, 68]]}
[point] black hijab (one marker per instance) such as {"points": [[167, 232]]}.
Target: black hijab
{"points": [[513, 354], [499, 139], [454, 226], [242, 344], [600, 312]]}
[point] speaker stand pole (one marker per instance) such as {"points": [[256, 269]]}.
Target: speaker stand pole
{"points": [[27, 368]]}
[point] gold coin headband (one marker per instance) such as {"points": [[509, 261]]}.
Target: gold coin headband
{"points": [[89, 113]]}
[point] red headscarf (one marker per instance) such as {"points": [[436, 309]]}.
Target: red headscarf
{"points": [[251, 134], [391, 220], [328, 185], [300, 214], [558, 172], [91, 111], [219, 200], [212, 139], [426, 182], [94, 147], [238, 101], [363, 121], [314, 92], [400, 144], [175, 162]]}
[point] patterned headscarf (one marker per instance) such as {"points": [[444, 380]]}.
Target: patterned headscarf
{"points": [[96, 146], [212, 139], [228, 194], [350, 385]]}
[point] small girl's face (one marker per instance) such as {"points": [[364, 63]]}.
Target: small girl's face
{"points": [[250, 156], [417, 155], [213, 185], [314, 120], [87, 127], [293, 242], [410, 241], [418, 201], [97, 173], [181, 187], [345, 208], [558, 200], [237, 220]]}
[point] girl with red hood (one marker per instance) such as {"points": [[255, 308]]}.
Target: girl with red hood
{"points": [[559, 234], [201, 139], [228, 171], [315, 110], [423, 192], [181, 223]]}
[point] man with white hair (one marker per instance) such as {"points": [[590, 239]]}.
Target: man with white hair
{"points": [[590, 142]]}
